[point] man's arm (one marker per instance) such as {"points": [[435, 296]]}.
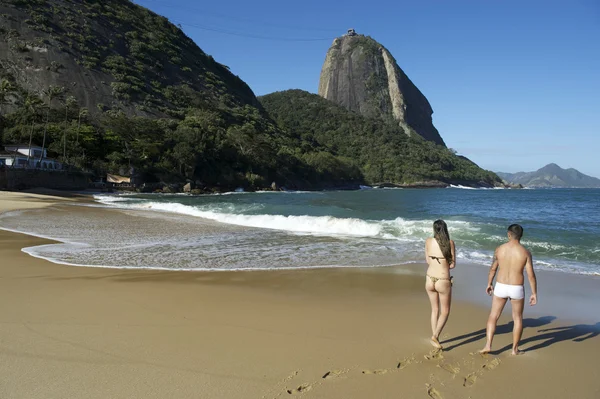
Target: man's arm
{"points": [[492, 274], [532, 279]]}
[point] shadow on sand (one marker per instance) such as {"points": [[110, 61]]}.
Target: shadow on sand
{"points": [[501, 329], [551, 336]]}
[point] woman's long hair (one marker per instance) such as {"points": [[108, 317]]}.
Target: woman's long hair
{"points": [[440, 233]]}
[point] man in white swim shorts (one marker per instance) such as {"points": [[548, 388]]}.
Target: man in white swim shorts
{"points": [[510, 260]]}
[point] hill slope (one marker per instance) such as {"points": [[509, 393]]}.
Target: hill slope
{"points": [[361, 75], [381, 149], [552, 175], [110, 54]]}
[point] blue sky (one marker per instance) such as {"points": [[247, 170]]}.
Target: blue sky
{"points": [[514, 85]]}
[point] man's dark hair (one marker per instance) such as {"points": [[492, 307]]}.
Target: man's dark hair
{"points": [[516, 231]]}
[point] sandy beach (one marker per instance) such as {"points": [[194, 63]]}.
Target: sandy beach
{"points": [[80, 332]]}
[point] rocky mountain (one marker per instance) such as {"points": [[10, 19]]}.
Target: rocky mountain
{"points": [[552, 175], [361, 75], [378, 147], [109, 55]]}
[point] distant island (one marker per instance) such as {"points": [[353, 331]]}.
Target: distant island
{"points": [[551, 176]]}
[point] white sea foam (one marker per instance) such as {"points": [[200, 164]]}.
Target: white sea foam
{"points": [[301, 224], [474, 255], [399, 228], [109, 199], [462, 187], [474, 188], [544, 245]]}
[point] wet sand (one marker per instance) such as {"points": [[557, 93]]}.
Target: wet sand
{"points": [[328, 333]]}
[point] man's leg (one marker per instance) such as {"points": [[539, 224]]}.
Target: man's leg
{"points": [[497, 308], [517, 314]]}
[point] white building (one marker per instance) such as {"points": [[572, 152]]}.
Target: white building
{"points": [[23, 157]]}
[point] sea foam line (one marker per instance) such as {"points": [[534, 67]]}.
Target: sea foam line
{"points": [[328, 225], [32, 252], [300, 224]]}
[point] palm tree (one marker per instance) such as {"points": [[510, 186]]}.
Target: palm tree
{"points": [[31, 105], [82, 112], [51, 93], [69, 102]]}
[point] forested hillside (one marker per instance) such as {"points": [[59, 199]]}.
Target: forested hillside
{"points": [[381, 149]]}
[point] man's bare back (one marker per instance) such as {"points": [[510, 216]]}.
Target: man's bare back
{"points": [[512, 260]]}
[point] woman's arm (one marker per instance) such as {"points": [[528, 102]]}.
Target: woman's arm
{"points": [[453, 249], [426, 251]]}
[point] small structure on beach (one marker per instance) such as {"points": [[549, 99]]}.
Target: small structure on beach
{"points": [[116, 179], [24, 156], [124, 182]]}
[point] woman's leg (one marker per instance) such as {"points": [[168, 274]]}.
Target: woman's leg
{"points": [[435, 309], [445, 293]]}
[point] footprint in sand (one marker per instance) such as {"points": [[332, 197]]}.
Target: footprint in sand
{"points": [[405, 362], [451, 368], [378, 371], [291, 376], [491, 365], [434, 355], [333, 374], [470, 380], [433, 393], [484, 355], [301, 389]]}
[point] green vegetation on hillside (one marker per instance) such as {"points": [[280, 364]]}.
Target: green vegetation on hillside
{"points": [[195, 121], [381, 149], [153, 64], [209, 145]]}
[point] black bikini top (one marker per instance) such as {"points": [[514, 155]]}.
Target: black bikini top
{"points": [[437, 258]]}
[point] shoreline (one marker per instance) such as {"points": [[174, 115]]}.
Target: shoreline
{"points": [[322, 333], [468, 256], [178, 188]]}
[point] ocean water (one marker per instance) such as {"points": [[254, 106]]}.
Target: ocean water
{"points": [[271, 230]]}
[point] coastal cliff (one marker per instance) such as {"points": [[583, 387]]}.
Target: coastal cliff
{"points": [[362, 75]]}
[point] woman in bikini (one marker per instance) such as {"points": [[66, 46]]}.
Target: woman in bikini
{"points": [[440, 256]]}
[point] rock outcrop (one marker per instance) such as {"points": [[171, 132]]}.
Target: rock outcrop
{"points": [[361, 75]]}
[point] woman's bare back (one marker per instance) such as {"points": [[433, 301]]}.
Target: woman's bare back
{"points": [[438, 265]]}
